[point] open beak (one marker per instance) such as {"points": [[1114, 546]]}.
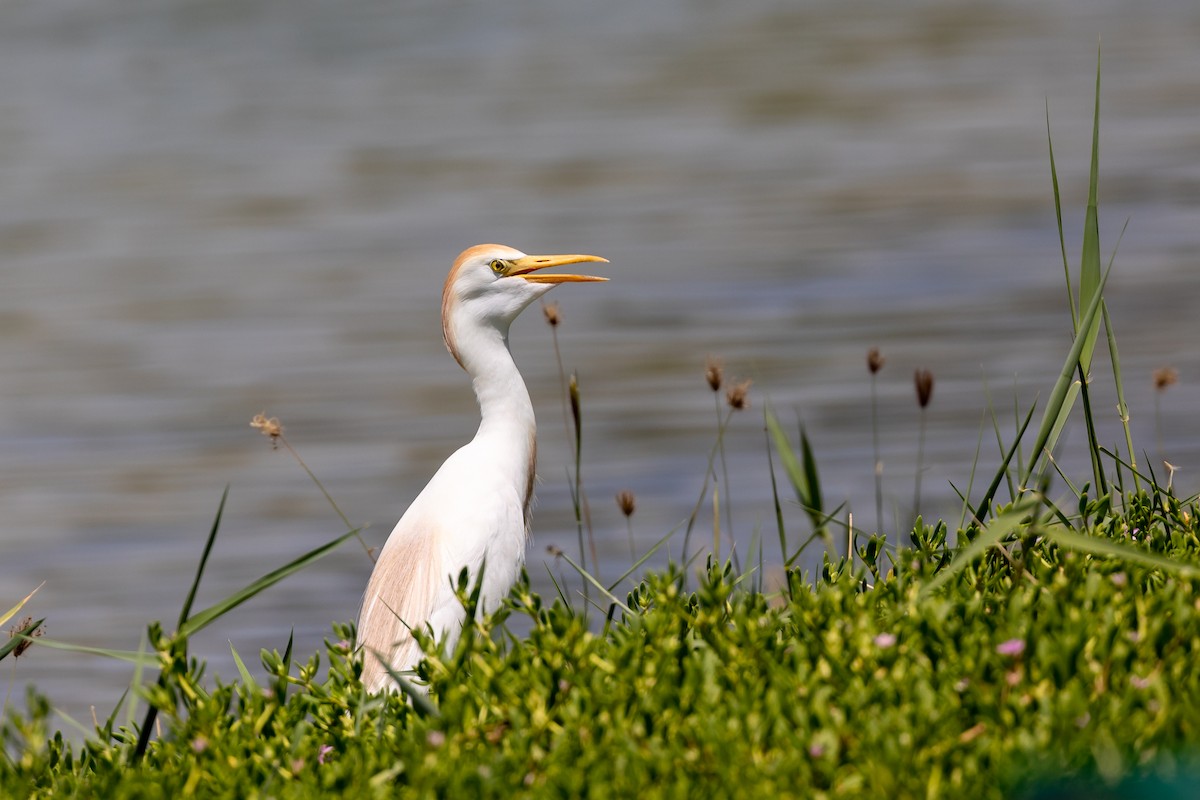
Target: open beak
{"points": [[526, 265]]}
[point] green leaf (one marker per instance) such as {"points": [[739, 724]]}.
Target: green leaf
{"points": [[801, 472]]}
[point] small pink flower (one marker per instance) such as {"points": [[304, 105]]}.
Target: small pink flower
{"points": [[199, 744], [885, 640], [323, 751], [1012, 647], [816, 750], [1138, 682], [1119, 579]]}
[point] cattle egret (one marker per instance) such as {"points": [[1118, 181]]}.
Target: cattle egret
{"points": [[475, 510]]}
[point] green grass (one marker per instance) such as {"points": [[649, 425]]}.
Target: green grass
{"points": [[1042, 649]]}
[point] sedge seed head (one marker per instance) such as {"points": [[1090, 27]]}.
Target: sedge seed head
{"points": [[714, 372], [627, 502], [738, 395], [268, 426], [552, 315], [875, 360], [25, 643], [1164, 377], [923, 380]]}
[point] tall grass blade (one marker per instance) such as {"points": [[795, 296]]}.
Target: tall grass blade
{"points": [[801, 472], [1062, 241], [130, 656], [1102, 546], [591, 579], [208, 545], [980, 511], [645, 557], [1089, 267], [1090, 426], [152, 712], [778, 507], [203, 619], [12, 612], [1058, 407], [1114, 357], [1091, 284]]}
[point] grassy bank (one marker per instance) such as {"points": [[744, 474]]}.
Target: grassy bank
{"points": [[1045, 639]]}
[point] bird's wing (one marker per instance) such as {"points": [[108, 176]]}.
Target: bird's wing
{"points": [[400, 595]]}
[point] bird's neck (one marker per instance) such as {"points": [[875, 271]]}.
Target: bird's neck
{"points": [[507, 430], [504, 405]]}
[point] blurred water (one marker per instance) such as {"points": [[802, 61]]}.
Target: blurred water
{"points": [[209, 209]]}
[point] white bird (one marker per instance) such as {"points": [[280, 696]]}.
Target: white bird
{"points": [[476, 507]]}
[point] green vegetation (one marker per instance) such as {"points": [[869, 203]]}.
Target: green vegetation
{"points": [[1043, 640]]}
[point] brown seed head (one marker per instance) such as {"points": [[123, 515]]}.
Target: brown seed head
{"points": [[738, 395], [551, 312], [923, 380], [626, 502], [714, 371], [1164, 377], [25, 643], [269, 427], [875, 360]]}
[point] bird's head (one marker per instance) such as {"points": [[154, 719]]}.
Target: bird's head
{"points": [[490, 284]]}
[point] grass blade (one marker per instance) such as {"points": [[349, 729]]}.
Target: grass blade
{"points": [[1102, 546], [1057, 408], [589, 578], [131, 656], [203, 619], [801, 472], [208, 545], [12, 612], [985, 503], [1062, 242]]}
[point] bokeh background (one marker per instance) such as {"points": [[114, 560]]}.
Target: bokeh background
{"points": [[210, 209]]}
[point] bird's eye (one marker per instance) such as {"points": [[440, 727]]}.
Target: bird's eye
{"points": [[498, 266]]}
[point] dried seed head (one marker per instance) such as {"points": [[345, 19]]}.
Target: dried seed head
{"points": [[551, 312], [737, 395], [269, 427], [626, 502], [923, 380], [713, 373], [875, 360], [25, 643], [1164, 377]]}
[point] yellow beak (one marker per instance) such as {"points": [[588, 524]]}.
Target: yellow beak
{"points": [[524, 266]]}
